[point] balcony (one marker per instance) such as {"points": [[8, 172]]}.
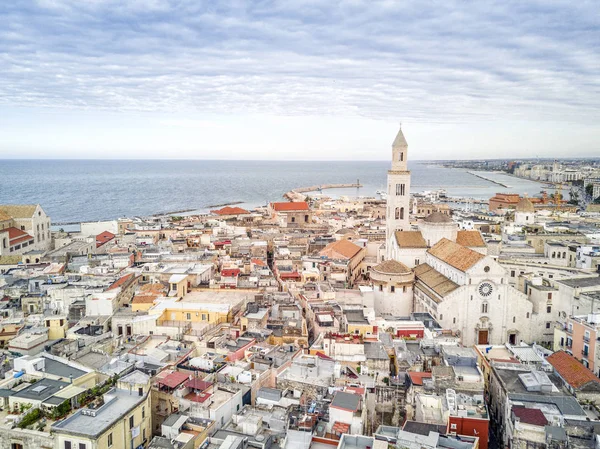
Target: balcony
{"points": [[584, 353], [569, 344], [586, 339], [569, 331]]}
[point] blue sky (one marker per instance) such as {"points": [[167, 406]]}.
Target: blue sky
{"points": [[298, 79]]}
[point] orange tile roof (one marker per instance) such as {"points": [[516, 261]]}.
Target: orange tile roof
{"points": [[470, 239], [342, 249], [228, 210], [144, 299], [571, 370], [416, 377], [410, 239], [15, 235], [121, 281], [290, 206], [103, 238], [455, 255]]}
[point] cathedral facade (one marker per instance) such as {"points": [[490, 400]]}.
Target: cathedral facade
{"points": [[432, 266]]}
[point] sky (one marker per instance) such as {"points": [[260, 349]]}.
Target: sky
{"points": [[298, 79]]}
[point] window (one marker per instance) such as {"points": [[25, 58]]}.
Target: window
{"points": [[548, 309], [514, 319], [67, 445], [547, 324], [401, 156], [204, 317], [486, 269], [454, 320], [141, 393], [188, 316], [16, 446], [400, 189], [549, 295], [381, 288], [144, 434], [416, 261], [586, 350], [512, 273], [131, 422], [484, 308], [110, 440], [441, 316], [527, 315], [404, 289], [392, 289], [82, 446]]}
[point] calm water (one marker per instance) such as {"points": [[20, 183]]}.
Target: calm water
{"points": [[77, 190]]}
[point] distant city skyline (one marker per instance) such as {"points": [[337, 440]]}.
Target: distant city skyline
{"points": [[298, 80]]}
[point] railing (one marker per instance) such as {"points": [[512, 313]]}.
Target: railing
{"points": [[584, 353], [569, 344], [586, 339]]}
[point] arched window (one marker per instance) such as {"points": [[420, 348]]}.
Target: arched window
{"points": [[401, 213], [401, 156], [397, 213]]}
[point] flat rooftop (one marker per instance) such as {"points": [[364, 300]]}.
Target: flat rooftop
{"points": [[117, 403], [592, 281]]}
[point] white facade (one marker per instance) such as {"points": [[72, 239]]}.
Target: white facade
{"points": [[398, 191]]}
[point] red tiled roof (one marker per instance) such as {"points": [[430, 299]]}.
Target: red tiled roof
{"points": [[289, 206], [340, 427], [174, 379], [230, 272], [572, 371], [121, 281], [230, 211], [198, 384], [104, 237], [292, 275], [416, 377], [323, 356], [533, 416], [15, 235], [259, 262]]}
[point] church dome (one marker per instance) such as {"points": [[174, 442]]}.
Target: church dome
{"points": [[438, 217], [392, 267], [525, 205]]}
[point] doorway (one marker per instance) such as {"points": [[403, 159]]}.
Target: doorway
{"points": [[482, 337], [512, 339]]}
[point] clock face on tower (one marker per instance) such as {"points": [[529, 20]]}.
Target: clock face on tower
{"points": [[485, 289]]}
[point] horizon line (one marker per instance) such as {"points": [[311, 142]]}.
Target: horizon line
{"points": [[296, 160]]}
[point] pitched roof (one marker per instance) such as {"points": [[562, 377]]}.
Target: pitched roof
{"points": [[230, 272], [104, 237], [416, 377], [15, 235], [410, 239], [400, 140], [342, 249], [4, 216], [227, 210], [121, 281], [174, 379], [572, 371], [455, 255], [18, 210], [290, 206], [533, 416], [470, 239], [144, 299], [435, 280], [392, 267]]}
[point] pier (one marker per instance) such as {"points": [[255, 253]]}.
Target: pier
{"points": [[296, 194], [490, 180]]}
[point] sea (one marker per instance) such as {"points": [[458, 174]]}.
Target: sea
{"points": [[91, 190]]}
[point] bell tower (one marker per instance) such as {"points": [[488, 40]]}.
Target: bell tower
{"points": [[398, 192]]}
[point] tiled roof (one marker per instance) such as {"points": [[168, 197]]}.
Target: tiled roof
{"points": [[144, 299], [18, 210], [410, 239], [15, 235], [259, 262], [229, 272], [435, 280], [525, 205], [101, 239], [4, 216], [198, 384], [342, 249], [455, 255], [533, 416], [571, 370], [174, 379], [416, 377], [392, 267], [228, 210], [438, 217], [121, 281], [290, 206], [470, 239]]}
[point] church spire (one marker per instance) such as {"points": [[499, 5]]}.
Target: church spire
{"points": [[399, 141]]}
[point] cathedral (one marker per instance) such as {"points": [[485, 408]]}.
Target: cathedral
{"points": [[432, 266]]}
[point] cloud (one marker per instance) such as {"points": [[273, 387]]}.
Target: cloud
{"points": [[438, 62]]}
